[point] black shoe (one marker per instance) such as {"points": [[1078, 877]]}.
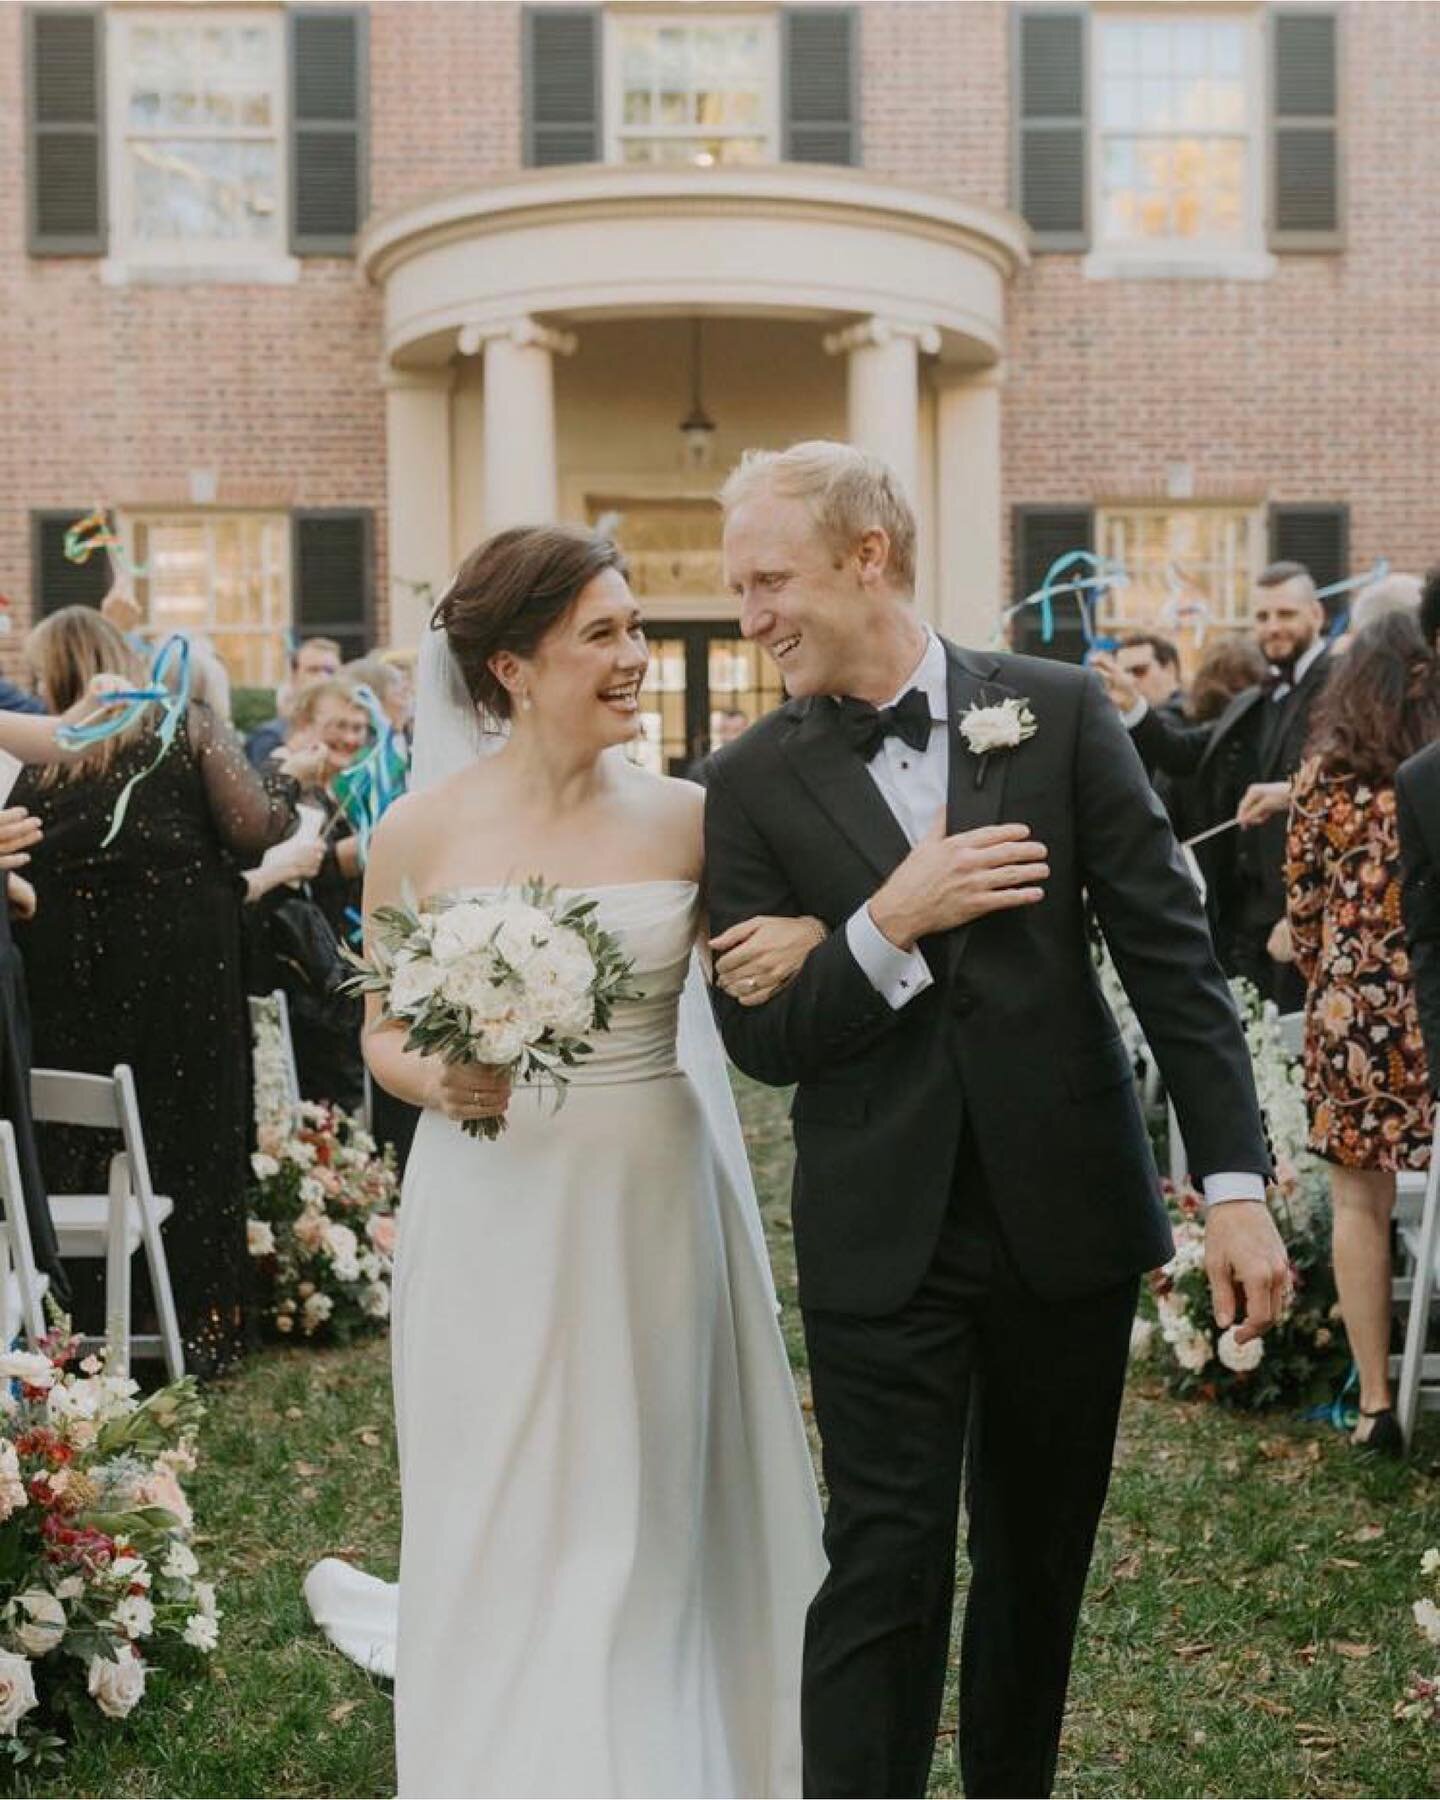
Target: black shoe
{"points": [[1386, 1437]]}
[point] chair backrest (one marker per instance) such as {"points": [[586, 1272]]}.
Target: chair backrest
{"points": [[16, 1225], [66, 1097]]}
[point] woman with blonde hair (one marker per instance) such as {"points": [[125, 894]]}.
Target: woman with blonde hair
{"points": [[134, 956]]}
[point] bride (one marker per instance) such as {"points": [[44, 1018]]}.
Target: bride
{"points": [[611, 1532]]}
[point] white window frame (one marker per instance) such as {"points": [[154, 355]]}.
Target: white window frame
{"points": [[1256, 521], [615, 17], [211, 516], [180, 260], [1169, 259]]}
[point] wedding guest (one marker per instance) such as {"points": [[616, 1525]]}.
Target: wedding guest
{"points": [[315, 659], [1227, 668], [1366, 1082], [134, 956], [327, 716], [1417, 793], [391, 686], [1243, 764], [1391, 593], [1153, 664]]}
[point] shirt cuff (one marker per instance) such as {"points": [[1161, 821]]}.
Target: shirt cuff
{"points": [[897, 975], [1131, 718], [1233, 1185]]}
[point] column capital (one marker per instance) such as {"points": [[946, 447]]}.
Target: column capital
{"points": [[524, 333], [874, 333]]}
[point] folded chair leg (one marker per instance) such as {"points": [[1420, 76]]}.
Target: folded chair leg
{"points": [[1412, 1362], [117, 1269]]}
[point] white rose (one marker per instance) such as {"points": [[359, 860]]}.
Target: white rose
{"points": [[28, 1369], [300, 1153], [312, 1192], [501, 1043], [343, 1248], [43, 1621], [1241, 1358], [1002, 727], [413, 982], [180, 1562], [259, 1238], [376, 1300], [201, 1631], [204, 1594], [1427, 1617], [117, 1687], [316, 1310], [264, 1166], [471, 982], [462, 929], [1192, 1352], [135, 1615], [12, 1488], [17, 1691]]}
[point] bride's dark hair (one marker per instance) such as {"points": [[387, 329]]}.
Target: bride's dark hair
{"points": [[510, 592]]}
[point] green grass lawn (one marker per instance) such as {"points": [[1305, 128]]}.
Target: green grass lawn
{"points": [[1247, 1631]]}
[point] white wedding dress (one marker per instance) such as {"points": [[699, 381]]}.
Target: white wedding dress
{"points": [[611, 1530]]}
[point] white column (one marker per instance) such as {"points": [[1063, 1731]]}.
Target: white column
{"points": [[968, 517], [884, 390], [521, 483], [417, 458]]}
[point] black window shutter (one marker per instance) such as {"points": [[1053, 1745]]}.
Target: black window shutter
{"points": [[1305, 135], [1318, 537], [1043, 534], [561, 85], [820, 62], [56, 580], [1051, 155], [334, 577], [65, 113], [328, 119]]}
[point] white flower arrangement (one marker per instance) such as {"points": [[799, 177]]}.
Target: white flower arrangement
{"points": [[516, 981], [1420, 1704]]}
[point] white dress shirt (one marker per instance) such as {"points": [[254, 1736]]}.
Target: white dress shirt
{"points": [[915, 786]]}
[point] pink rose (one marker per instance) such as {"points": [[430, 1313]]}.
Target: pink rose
{"points": [[160, 1488], [380, 1228]]}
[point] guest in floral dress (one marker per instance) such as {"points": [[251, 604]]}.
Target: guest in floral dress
{"points": [[1366, 1082]]}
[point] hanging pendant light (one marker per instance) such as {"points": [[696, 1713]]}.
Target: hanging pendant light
{"points": [[697, 428]]}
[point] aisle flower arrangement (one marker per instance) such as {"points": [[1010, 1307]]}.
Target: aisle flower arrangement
{"points": [[322, 1226], [98, 1580], [1304, 1358], [1421, 1702]]}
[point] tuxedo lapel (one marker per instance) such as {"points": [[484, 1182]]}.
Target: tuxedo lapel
{"points": [[836, 774], [976, 785]]}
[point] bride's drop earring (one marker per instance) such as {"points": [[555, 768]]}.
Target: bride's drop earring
{"points": [[524, 699]]}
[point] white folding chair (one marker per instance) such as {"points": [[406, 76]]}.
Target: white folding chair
{"points": [[22, 1286], [1418, 1233], [116, 1224]]}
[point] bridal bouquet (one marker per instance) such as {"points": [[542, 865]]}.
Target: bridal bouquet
{"points": [[517, 979], [98, 1580]]}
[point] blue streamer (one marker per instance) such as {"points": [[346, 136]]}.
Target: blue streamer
{"points": [[131, 704], [1335, 1412], [1340, 624]]}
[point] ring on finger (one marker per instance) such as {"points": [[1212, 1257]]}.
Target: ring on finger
{"points": [[748, 984]]}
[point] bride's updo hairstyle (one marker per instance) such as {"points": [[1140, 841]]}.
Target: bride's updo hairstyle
{"points": [[510, 593]]}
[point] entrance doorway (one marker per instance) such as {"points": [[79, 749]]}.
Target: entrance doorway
{"points": [[704, 685]]}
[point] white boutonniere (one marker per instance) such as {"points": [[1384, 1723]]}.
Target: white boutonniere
{"points": [[1003, 726]]}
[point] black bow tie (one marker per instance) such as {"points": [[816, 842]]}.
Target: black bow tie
{"points": [[867, 726]]}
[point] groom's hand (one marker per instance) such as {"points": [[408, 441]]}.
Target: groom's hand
{"points": [[948, 881], [1244, 1252]]}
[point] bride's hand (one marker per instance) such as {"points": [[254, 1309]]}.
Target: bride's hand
{"points": [[470, 1091], [758, 957]]}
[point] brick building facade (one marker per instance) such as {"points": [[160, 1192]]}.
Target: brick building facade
{"points": [[309, 298]]}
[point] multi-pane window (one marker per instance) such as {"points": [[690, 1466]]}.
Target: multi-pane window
{"points": [[1187, 567], [222, 576], [1176, 106], [695, 91], [197, 101]]}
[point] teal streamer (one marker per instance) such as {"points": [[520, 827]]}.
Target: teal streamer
{"points": [[130, 704]]}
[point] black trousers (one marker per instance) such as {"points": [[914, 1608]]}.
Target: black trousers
{"points": [[1024, 1394]]}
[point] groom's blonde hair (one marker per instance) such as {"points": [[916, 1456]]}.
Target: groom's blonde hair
{"points": [[848, 493]]}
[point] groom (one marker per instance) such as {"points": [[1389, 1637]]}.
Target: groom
{"points": [[975, 1197]]}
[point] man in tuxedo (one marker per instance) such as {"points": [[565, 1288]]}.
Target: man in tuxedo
{"points": [[1417, 796], [1153, 663], [975, 1198], [1242, 764]]}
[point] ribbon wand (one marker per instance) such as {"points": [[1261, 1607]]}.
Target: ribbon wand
{"points": [[1201, 837]]}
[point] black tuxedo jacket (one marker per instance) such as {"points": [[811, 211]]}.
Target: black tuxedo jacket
{"points": [[1417, 794], [1014, 1042], [1225, 756]]}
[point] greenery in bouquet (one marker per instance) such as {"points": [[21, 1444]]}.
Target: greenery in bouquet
{"points": [[99, 1585], [515, 980], [322, 1225]]}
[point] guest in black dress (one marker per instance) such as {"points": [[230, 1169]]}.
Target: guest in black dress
{"points": [[134, 956]]}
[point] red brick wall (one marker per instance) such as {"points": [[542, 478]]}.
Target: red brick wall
{"points": [[1314, 385]]}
